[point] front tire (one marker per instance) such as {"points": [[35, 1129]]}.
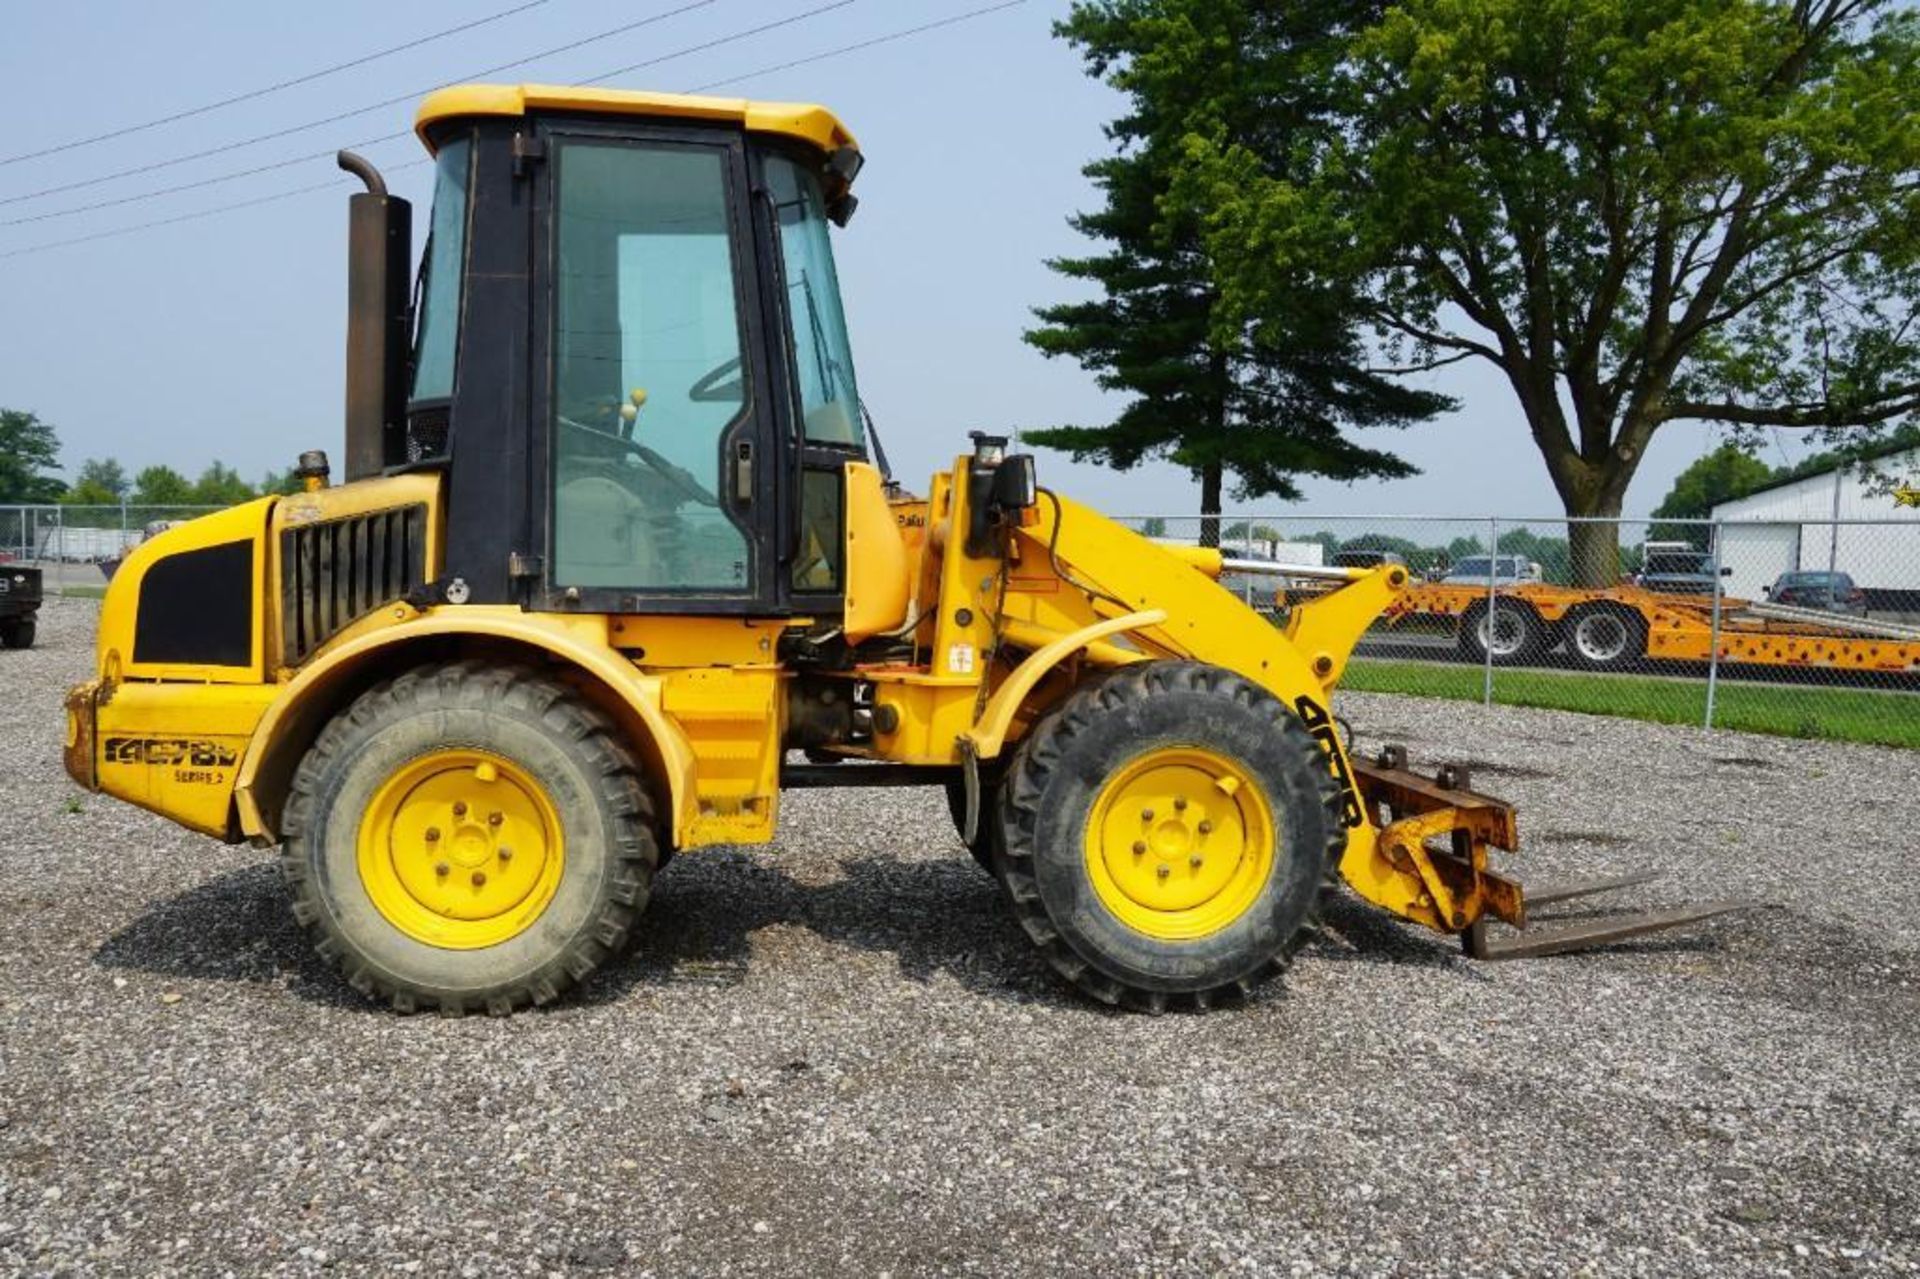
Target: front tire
{"points": [[1168, 834], [469, 837]]}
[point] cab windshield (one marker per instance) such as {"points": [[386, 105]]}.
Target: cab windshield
{"points": [[822, 357]]}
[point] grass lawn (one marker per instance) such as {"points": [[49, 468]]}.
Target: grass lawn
{"points": [[1843, 714], [83, 592]]}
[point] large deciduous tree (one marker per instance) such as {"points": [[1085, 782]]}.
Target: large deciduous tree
{"points": [[1211, 392], [1726, 473], [28, 450], [221, 485], [161, 486], [1639, 213], [101, 481]]}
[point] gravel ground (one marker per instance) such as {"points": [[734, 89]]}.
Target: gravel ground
{"points": [[841, 1056]]}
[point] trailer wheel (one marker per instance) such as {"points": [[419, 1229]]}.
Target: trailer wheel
{"points": [[1605, 636], [1516, 634], [469, 837], [17, 632], [1168, 834]]}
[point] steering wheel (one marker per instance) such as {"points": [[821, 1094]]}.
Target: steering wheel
{"points": [[712, 386], [677, 478]]}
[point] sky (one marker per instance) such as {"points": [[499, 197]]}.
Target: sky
{"points": [[221, 337]]}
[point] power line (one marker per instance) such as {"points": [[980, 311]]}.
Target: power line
{"points": [[308, 157], [850, 48], [126, 129], [139, 197], [336, 182], [713, 44], [365, 110], [184, 217]]}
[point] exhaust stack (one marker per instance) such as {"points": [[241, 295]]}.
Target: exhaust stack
{"points": [[379, 250]]}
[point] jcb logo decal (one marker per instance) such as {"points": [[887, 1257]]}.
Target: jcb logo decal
{"points": [[169, 751], [1320, 724]]}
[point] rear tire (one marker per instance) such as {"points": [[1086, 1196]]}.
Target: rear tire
{"points": [[1517, 634], [1168, 835], [469, 837], [17, 633], [1605, 637]]}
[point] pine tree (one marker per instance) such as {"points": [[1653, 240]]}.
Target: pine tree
{"points": [[1215, 397]]}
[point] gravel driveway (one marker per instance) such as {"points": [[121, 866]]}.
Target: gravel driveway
{"points": [[840, 1055]]}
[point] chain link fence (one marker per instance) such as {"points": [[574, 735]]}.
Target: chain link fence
{"points": [[77, 547], [1809, 629]]}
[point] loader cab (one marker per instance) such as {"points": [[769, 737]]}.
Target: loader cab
{"points": [[629, 353]]}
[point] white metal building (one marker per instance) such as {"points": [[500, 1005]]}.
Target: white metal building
{"points": [[1791, 525]]}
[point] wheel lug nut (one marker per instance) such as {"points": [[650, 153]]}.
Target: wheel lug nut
{"points": [[494, 819], [1206, 828], [433, 833], [1146, 814], [1195, 861], [441, 868], [506, 854], [1163, 870], [1179, 802], [479, 878], [1139, 847], [459, 808]]}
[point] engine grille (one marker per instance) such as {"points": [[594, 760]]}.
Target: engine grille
{"points": [[335, 572]]}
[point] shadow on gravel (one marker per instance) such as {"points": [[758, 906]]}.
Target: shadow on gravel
{"points": [[714, 914], [235, 927], [1373, 936], [935, 917]]}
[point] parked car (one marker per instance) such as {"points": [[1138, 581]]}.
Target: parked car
{"points": [[1495, 570], [1679, 572], [20, 593], [1829, 592]]}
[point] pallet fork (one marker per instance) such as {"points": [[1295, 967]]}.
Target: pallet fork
{"points": [[1471, 897]]}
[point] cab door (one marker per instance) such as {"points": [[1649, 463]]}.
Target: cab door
{"points": [[819, 399], [652, 384]]}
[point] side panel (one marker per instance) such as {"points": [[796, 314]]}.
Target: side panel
{"points": [[733, 719], [175, 749]]}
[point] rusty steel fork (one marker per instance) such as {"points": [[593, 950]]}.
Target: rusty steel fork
{"points": [[1598, 932], [1489, 898], [1604, 931]]}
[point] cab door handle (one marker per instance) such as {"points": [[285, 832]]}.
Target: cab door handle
{"points": [[743, 472]]}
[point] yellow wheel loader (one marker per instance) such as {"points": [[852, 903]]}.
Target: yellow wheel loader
{"points": [[618, 561]]}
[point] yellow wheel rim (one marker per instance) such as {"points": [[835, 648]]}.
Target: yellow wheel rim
{"points": [[461, 849], [1180, 843]]}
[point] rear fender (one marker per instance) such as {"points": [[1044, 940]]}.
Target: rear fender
{"points": [[578, 645]]}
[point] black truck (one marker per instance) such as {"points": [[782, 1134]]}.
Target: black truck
{"points": [[19, 601]]}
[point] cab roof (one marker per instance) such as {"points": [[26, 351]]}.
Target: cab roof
{"points": [[802, 120]]}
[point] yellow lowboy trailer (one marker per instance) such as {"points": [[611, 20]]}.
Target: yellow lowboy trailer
{"points": [[617, 546]]}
